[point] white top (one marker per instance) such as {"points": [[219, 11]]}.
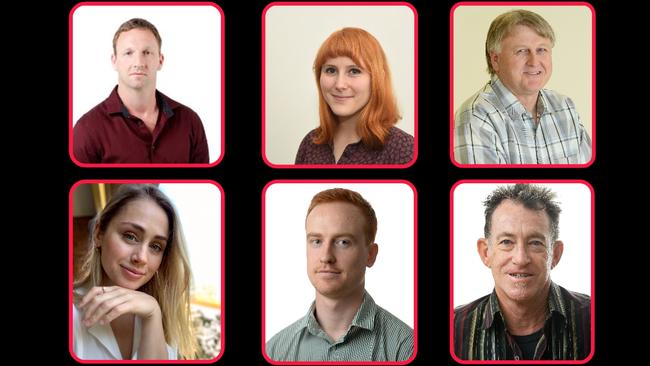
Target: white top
{"points": [[98, 342]]}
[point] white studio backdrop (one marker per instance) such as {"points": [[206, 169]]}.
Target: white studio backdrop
{"points": [[390, 281], [293, 34], [191, 71], [472, 279]]}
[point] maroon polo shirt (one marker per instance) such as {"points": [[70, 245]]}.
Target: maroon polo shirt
{"points": [[398, 149], [108, 133]]}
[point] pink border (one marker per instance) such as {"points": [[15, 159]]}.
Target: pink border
{"points": [[223, 89], [71, 266], [415, 87], [415, 270], [593, 83], [451, 270]]}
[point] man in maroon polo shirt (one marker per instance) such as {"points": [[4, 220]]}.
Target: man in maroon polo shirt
{"points": [[137, 123]]}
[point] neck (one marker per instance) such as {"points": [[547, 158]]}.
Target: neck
{"points": [[335, 315], [524, 318], [138, 101], [346, 130]]}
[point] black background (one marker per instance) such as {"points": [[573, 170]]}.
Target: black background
{"points": [[620, 69]]}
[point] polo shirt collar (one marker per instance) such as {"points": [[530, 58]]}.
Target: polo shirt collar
{"points": [[115, 105], [364, 318]]}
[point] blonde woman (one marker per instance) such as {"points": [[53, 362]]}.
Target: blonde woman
{"points": [[131, 296]]}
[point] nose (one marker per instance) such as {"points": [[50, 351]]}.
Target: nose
{"points": [[327, 254], [139, 255], [340, 82], [533, 59], [520, 254]]}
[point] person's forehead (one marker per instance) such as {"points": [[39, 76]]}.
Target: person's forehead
{"points": [[520, 30], [510, 213], [139, 34], [343, 212]]}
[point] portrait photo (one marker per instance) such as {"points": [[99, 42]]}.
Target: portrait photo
{"points": [[146, 84], [321, 254], [146, 270], [530, 244], [339, 85], [518, 67]]}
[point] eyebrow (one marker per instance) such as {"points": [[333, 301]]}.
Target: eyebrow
{"points": [[315, 235], [141, 229], [535, 234]]}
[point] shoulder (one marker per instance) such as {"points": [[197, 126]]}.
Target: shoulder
{"points": [[398, 136], [478, 107], [184, 112], [285, 339], [392, 324], [308, 139], [462, 311], [578, 299]]}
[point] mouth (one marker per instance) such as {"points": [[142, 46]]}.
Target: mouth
{"points": [[533, 73], [520, 275], [130, 272], [340, 98]]}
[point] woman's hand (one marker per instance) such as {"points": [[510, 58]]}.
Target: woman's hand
{"points": [[102, 304]]}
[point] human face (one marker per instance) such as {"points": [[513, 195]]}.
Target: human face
{"points": [[524, 64], [337, 250], [345, 87], [133, 245], [137, 60], [520, 253]]}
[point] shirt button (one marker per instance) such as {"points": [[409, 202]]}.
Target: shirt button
{"points": [[516, 358]]}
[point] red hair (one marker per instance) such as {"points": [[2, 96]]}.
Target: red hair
{"points": [[381, 112]]}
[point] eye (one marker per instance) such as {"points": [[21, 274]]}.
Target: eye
{"points": [[147, 52], [542, 50], [521, 51], [355, 71], [506, 242], [129, 236], [343, 242], [156, 247], [314, 242], [537, 243], [128, 53], [329, 70]]}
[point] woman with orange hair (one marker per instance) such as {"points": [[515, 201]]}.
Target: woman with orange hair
{"points": [[357, 107]]}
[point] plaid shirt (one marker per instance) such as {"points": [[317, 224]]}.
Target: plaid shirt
{"points": [[493, 127], [480, 331]]}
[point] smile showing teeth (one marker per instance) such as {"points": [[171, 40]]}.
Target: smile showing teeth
{"points": [[519, 275]]}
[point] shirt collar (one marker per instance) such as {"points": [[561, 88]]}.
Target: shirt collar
{"points": [[115, 105], [511, 104], [556, 305], [364, 318]]}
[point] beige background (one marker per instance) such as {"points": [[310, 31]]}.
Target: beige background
{"points": [[293, 35], [572, 61]]}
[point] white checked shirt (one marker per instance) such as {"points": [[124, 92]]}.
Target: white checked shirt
{"points": [[493, 127]]}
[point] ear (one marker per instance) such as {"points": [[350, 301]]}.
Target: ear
{"points": [[160, 61], [494, 61], [373, 249], [558, 249], [483, 248], [113, 60]]}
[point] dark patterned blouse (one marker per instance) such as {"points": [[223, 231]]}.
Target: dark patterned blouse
{"points": [[398, 149]]}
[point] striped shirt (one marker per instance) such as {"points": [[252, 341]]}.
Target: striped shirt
{"points": [[480, 331], [374, 335], [493, 127]]}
